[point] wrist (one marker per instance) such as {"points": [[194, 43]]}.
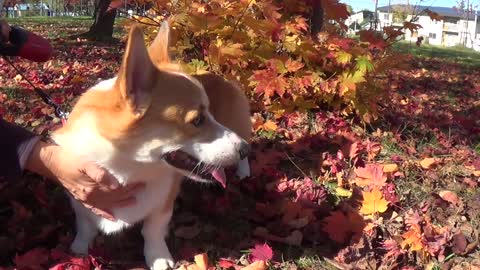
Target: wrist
{"points": [[42, 158]]}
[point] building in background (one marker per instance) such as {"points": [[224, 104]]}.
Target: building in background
{"points": [[454, 29], [359, 21]]}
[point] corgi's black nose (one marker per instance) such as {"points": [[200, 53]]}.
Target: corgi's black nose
{"points": [[244, 150]]}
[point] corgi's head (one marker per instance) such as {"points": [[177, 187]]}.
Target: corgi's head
{"points": [[159, 115]]}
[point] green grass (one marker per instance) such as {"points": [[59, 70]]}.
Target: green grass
{"points": [[460, 55]]}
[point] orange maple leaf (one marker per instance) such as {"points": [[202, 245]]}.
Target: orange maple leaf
{"points": [[293, 65], [269, 126], [373, 202], [341, 227], [413, 239], [372, 175]]}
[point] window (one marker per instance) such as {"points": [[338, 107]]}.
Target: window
{"points": [[386, 16], [432, 35], [451, 20]]}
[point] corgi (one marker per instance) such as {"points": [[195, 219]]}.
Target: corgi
{"points": [[155, 124]]}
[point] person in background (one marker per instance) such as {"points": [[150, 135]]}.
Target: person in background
{"points": [[22, 150]]}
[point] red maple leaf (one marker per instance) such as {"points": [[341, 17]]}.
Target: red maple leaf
{"points": [[261, 253], [375, 40]]}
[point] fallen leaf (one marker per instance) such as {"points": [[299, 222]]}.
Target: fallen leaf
{"points": [[373, 202], [261, 253], [427, 163], [371, 175], [225, 263], [413, 239], [449, 196], [269, 126], [258, 265], [202, 261], [341, 227], [459, 243], [390, 168]]}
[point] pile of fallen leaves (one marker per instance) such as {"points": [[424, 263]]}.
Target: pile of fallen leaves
{"points": [[327, 192]]}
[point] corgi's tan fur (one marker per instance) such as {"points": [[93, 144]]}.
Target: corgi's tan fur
{"points": [[155, 124]]}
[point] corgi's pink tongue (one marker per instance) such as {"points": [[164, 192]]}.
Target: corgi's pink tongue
{"points": [[219, 175]]}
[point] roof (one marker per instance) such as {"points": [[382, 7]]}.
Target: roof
{"points": [[442, 11]]}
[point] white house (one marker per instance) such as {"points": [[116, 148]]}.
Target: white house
{"points": [[359, 21], [453, 29]]}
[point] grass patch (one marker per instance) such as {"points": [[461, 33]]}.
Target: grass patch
{"points": [[311, 262], [459, 55]]}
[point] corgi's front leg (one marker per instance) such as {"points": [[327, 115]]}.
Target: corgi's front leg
{"points": [[243, 169], [154, 231], [86, 232]]}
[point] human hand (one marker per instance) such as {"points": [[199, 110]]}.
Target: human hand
{"points": [[90, 184]]}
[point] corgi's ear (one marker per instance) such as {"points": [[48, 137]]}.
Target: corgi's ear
{"points": [[158, 50], [137, 74]]}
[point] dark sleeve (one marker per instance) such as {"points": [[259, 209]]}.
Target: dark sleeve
{"points": [[16, 145], [17, 38]]}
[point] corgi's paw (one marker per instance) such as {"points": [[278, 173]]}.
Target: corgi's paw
{"points": [[163, 264], [243, 169]]}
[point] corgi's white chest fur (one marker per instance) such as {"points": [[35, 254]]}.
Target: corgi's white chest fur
{"points": [[158, 177]]}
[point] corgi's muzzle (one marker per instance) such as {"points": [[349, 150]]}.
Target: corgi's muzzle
{"points": [[199, 170]]}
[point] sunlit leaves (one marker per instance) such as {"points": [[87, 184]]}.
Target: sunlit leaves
{"points": [[373, 202]]}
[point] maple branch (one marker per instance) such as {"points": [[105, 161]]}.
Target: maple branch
{"points": [[240, 18]]}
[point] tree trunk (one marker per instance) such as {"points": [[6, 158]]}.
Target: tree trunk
{"points": [[317, 17], [102, 28]]}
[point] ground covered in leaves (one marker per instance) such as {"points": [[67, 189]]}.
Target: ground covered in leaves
{"points": [[327, 192]]}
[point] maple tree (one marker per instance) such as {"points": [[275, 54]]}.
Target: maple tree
{"points": [[398, 193], [270, 48]]}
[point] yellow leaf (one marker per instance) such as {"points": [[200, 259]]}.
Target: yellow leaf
{"points": [[341, 192], [373, 202], [258, 265], [390, 168], [269, 126], [232, 49], [202, 261], [18, 78], [427, 163]]}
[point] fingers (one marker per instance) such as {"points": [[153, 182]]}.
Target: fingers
{"points": [[129, 191], [125, 203], [100, 212], [101, 176]]}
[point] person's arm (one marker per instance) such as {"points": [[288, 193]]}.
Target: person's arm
{"points": [[16, 145], [16, 41]]}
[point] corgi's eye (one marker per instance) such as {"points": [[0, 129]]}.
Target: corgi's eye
{"points": [[198, 121]]}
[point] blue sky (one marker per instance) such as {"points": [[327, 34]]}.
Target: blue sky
{"points": [[370, 4]]}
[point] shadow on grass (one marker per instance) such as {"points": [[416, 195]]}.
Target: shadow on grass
{"points": [[459, 55]]}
